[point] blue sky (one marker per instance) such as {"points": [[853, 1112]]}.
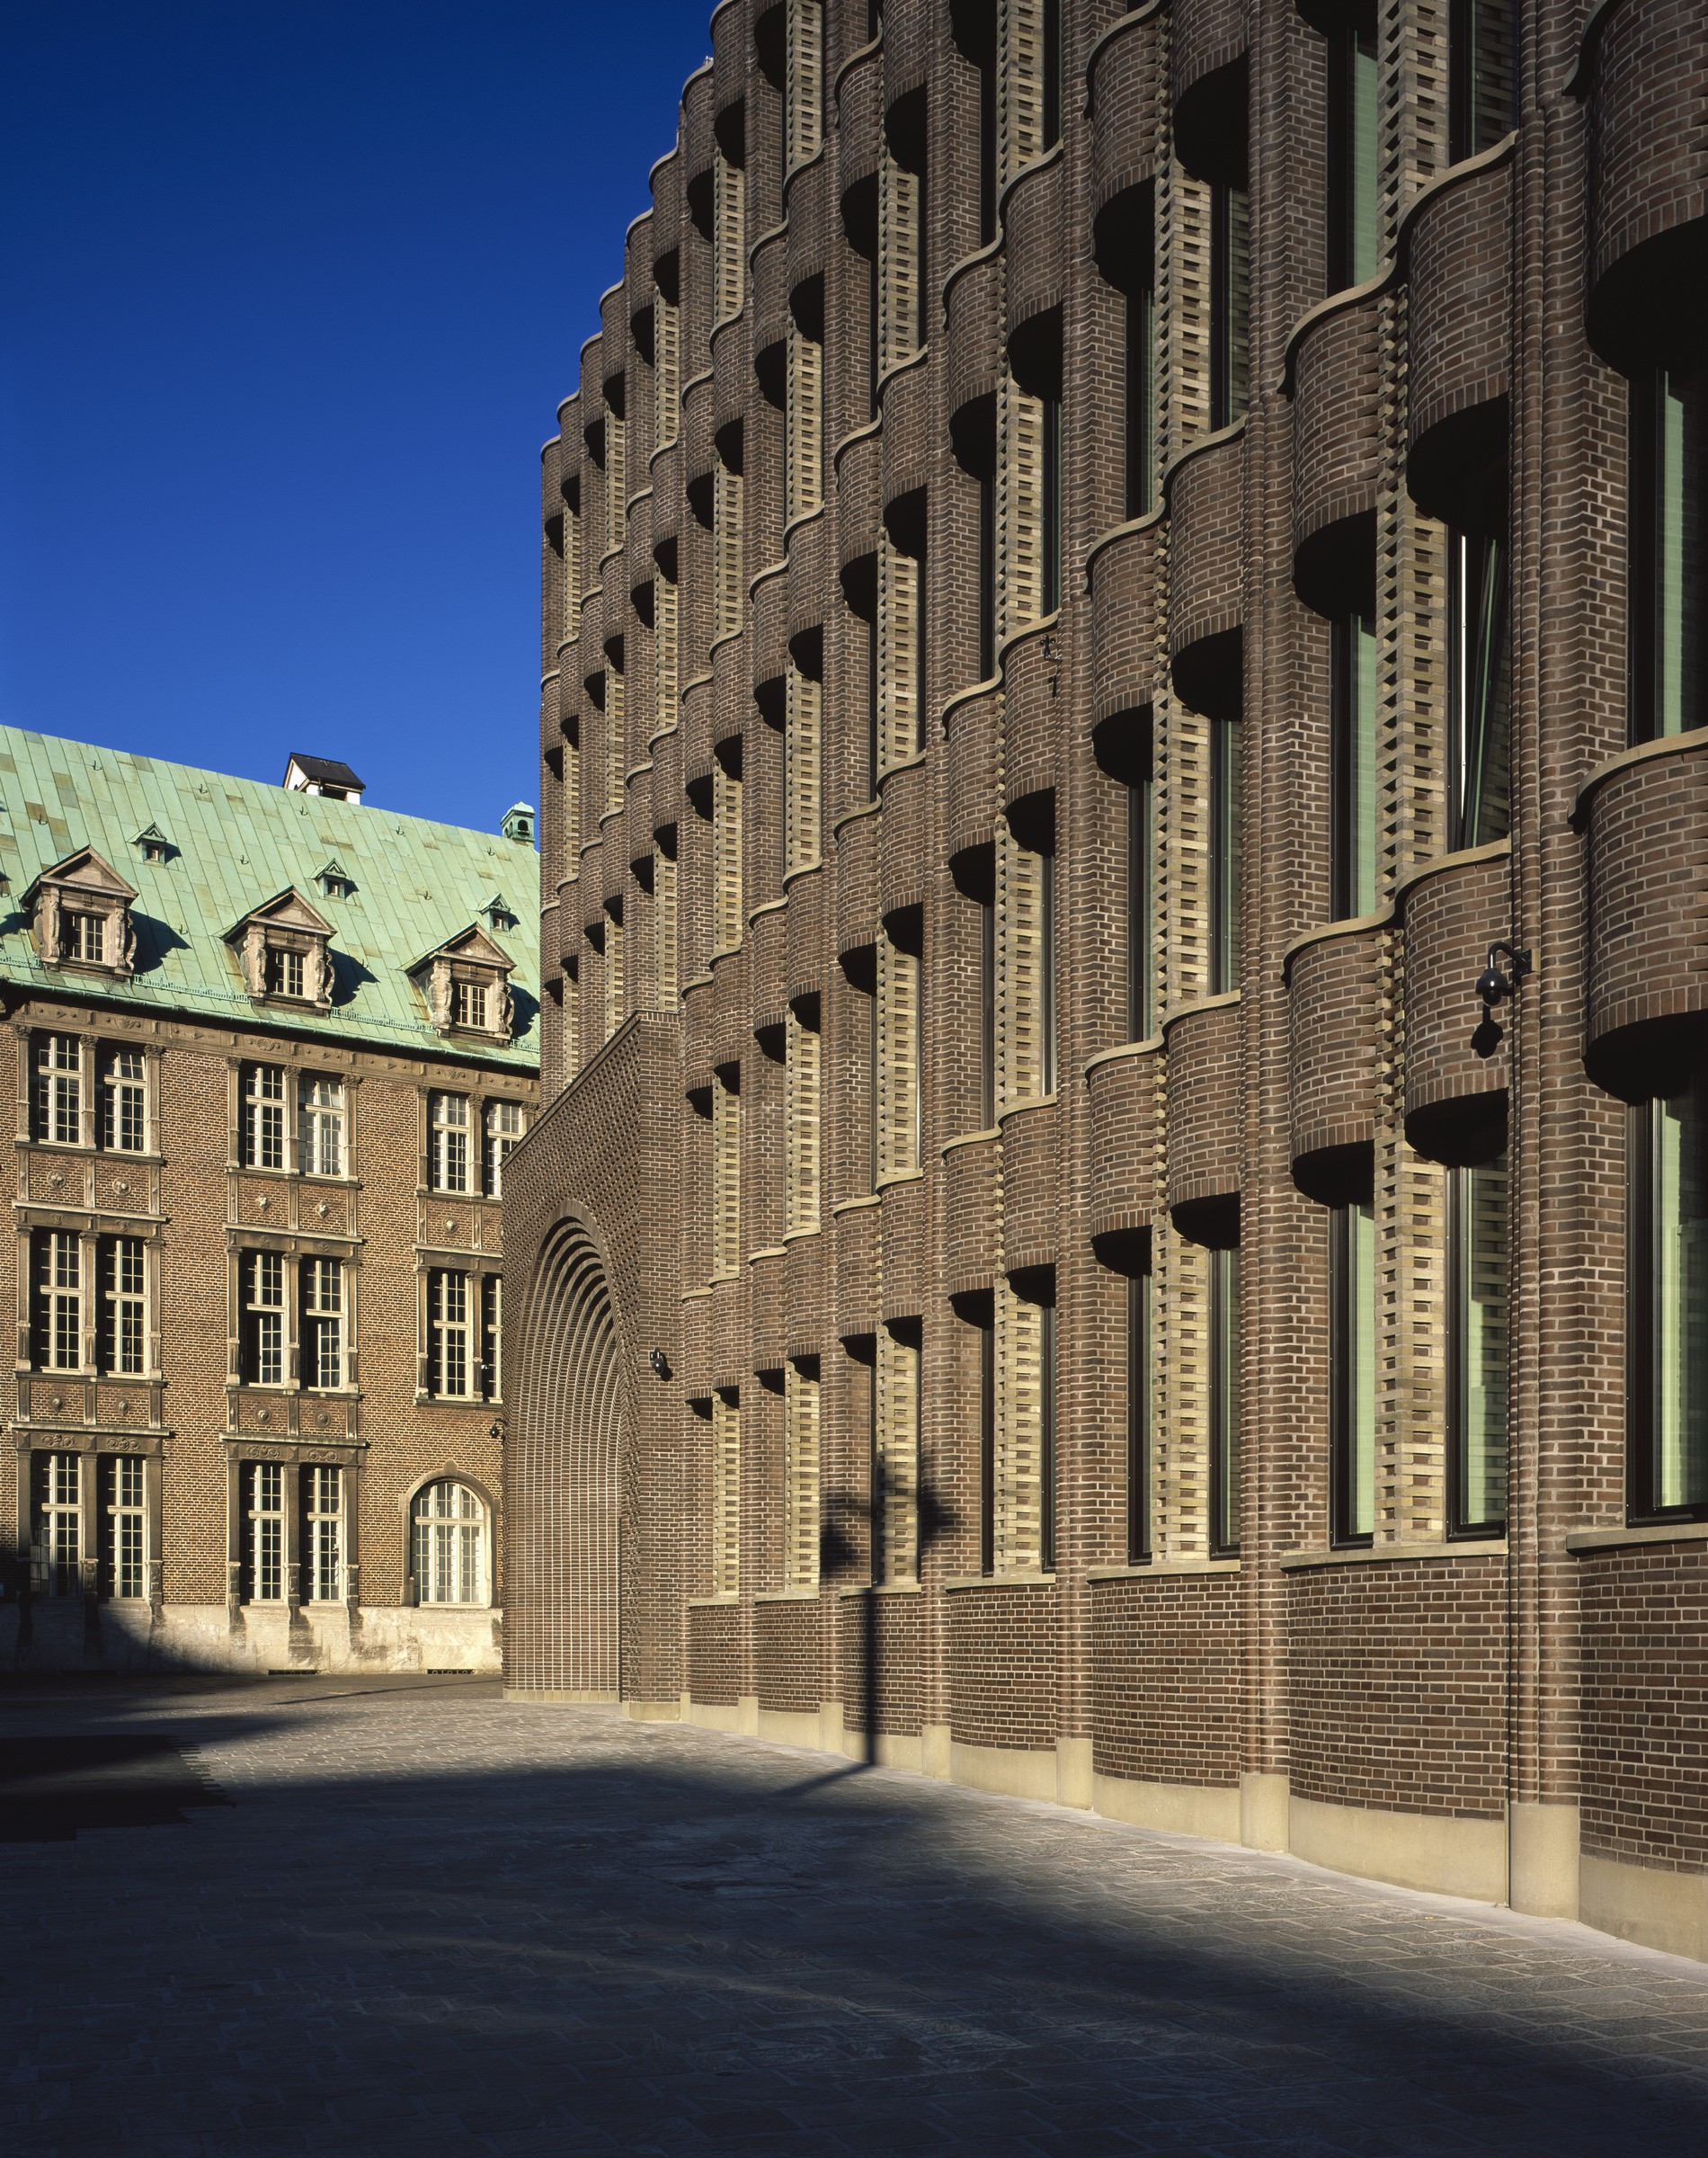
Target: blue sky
{"points": [[292, 293]]}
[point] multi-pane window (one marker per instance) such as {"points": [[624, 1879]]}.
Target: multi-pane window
{"points": [[1224, 1402], [449, 1544], [123, 1328], [59, 1088], [322, 1283], [86, 938], [1666, 1330], [1669, 580], [801, 1472], [323, 1523], [504, 1135], [264, 1518], [261, 1334], [58, 1523], [126, 1526], [57, 1256], [1353, 151], [262, 1116], [1352, 851], [320, 1126], [1477, 1349], [468, 1005], [1225, 855], [124, 1101], [283, 971], [1352, 1371], [448, 1143], [465, 1329], [1480, 690]]}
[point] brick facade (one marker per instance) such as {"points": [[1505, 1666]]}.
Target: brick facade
{"points": [[1008, 503]]}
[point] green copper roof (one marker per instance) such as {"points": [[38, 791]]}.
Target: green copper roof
{"points": [[232, 844]]}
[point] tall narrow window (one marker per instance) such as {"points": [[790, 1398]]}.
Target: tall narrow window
{"points": [[895, 1454], [323, 1517], [899, 1046], [1051, 23], [503, 1121], [265, 1510], [1140, 396], [1480, 689], [1352, 852], [1138, 1417], [123, 1349], [726, 542], [263, 1278], [1668, 1324], [1477, 1349], [448, 1142], [800, 1472], [1352, 1371], [58, 1510], [492, 1336], [803, 751], [726, 1494], [58, 1299], [802, 1059], [1225, 855], [987, 1012], [1052, 534], [1024, 1465], [983, 56], [59, 1088], [1025, 955], [664, 906], [264, 1116], [726, 844], [666, 362], [615, 754], [729, 220], [1480, 83], [1353, 152], [126, 1527], [665, 618], [899, 249], [804, 83], [451, 1364], [727, 1174], [900, 655], [985, 1321], [803, 470], [323, 1321], [320, 1126], [1229, 302], [1046, 1434], [613, 951], [1141, 870], [1224, 1404], [451, 1544], [124, 1101], [615, 468], [1668, 581]]}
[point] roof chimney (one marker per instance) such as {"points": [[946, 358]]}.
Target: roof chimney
{"points": [[322, 775]]}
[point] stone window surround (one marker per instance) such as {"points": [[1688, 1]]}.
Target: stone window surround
{"points": [[92, 1043]]}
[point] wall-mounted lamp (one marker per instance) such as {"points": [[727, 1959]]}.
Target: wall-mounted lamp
{"points": [[659, 1363], [1492, 986]]}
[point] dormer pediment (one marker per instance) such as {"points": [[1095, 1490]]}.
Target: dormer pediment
{"points": [[466, 981], [283, 946], [80, 910]]}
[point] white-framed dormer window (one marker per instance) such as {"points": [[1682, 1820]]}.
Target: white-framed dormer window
{"points": [[468, 1005], [264, 1116], [448, 1143], [284, 972], [124, 1101], [503, 1133], [465, 983], [80, 911], [86, 939], [320, 1124]]}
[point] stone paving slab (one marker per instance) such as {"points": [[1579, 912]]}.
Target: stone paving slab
{"points": [[436, 1923]]}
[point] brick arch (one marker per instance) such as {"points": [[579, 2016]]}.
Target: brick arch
{"points": [[566, 1441]]}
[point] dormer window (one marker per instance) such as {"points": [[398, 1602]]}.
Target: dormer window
{"points": [[336, 881], [465, 983], [153, 845], [283, 948], [82, 909], [284, 972]]}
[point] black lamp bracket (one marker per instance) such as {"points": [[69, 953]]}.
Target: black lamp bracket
{"points": [[1492, 985]]}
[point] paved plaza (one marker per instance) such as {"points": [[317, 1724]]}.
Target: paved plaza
{"points": [[410, 1917]]}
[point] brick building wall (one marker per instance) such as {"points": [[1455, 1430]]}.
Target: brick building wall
{"points": [[1060, 813]]}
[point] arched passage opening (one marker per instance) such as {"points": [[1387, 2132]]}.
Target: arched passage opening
{"points": [[564, 1561]]}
